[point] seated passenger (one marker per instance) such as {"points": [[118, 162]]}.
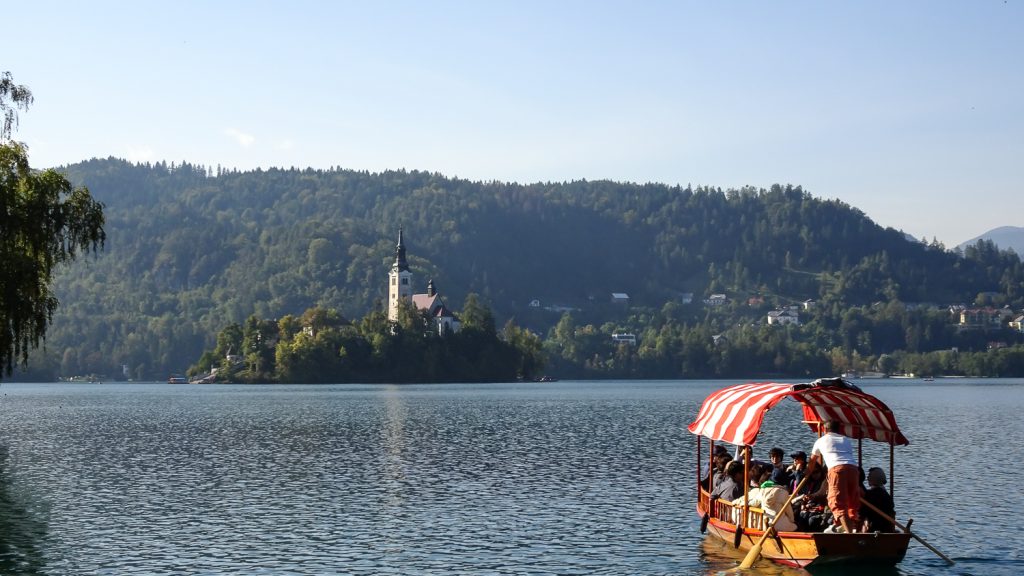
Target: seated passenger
{"points": [[721, 461], [760, 472], [797, 469], [712, 467], [780, 474], [877, 495], [816, 488], [771, 498], [811, 513], [731, 485]]}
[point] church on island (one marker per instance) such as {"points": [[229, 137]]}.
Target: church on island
{"points": [[400, 288]]}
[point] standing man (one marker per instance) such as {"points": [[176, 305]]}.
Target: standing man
{"points": [[843, 475]]}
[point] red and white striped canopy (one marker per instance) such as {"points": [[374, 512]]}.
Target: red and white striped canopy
{"points": [[734, 414]]}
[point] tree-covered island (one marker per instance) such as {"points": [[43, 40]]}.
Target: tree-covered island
{"points": [[418, 339]]}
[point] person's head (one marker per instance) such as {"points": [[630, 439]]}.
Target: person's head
{"points": [[799, 459], [832, 426], [734, 470], [721, 460], [755, 472], [775, 455], [876, 477]]}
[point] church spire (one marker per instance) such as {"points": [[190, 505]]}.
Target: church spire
{"points": [[400, 263], [399, 279]]}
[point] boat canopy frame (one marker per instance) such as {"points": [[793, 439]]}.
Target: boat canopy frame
{"points": [[735, 414]]}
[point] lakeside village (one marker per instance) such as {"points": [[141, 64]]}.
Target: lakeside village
{"points": [[417, 337]]}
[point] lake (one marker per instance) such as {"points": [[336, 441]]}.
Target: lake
{"points": [[554, 478]]}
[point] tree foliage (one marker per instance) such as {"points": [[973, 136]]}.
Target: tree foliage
{"points": [[44, 222], [12, 97]]}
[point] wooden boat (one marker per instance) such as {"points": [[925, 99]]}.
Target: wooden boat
{"points": [[734, 415]]}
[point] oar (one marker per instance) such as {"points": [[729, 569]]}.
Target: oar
{"points": [[756, 550], [907, 530]]}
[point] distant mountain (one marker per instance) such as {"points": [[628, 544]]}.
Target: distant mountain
{"points": [[1005, 237]]}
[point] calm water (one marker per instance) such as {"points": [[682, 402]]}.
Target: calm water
{"points": [[559, 478]]}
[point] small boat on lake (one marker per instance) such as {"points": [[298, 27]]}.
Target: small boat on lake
{"points": [[176, 379], [734, 415]]}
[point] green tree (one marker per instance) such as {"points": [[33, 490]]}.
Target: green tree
{"points": [[229, 341], [44, 223], [259, 355], [12, 97], [529, 349], [477, 316]]}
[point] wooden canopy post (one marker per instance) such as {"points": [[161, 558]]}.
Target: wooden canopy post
{"points": [[698, 461], [711, 472], [892, 476], [746, 485]]}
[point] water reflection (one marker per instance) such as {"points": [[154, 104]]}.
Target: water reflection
{"points": [[23, 526], [393, 432], [719, 556]]}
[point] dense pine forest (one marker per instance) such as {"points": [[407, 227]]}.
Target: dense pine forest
{"points": [[193, 250]]}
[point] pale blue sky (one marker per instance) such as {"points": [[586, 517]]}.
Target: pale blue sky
{"points": [[911, 111]]}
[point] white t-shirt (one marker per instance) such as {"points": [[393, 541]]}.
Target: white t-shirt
{"points": [[836, 449]]}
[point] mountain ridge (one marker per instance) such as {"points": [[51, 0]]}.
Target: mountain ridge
{"points": [[191, 250], [1004, 237]]}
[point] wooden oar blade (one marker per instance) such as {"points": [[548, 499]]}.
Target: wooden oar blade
{"points": [[752, 556]]}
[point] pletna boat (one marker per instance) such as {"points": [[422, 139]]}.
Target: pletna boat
{"points": [[734, 415]]}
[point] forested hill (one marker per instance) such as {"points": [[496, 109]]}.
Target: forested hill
{"points": [[191, 249]]}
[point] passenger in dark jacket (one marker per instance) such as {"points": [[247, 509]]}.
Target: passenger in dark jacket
{"points": [[731, 486], [780, 474], [716, 467], [877, 495]]}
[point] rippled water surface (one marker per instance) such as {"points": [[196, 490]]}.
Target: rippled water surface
{"points": [[557, 478]]}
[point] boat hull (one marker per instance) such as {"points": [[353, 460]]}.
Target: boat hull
{"points": [[804, 549]]}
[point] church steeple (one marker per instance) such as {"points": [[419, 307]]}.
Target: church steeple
{"points": [[400, 263], [399, 279]]}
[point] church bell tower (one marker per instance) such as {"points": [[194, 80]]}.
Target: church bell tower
{"points": [[399, 280]]}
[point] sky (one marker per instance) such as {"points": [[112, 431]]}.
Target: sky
{"points": [[911, 111]]}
